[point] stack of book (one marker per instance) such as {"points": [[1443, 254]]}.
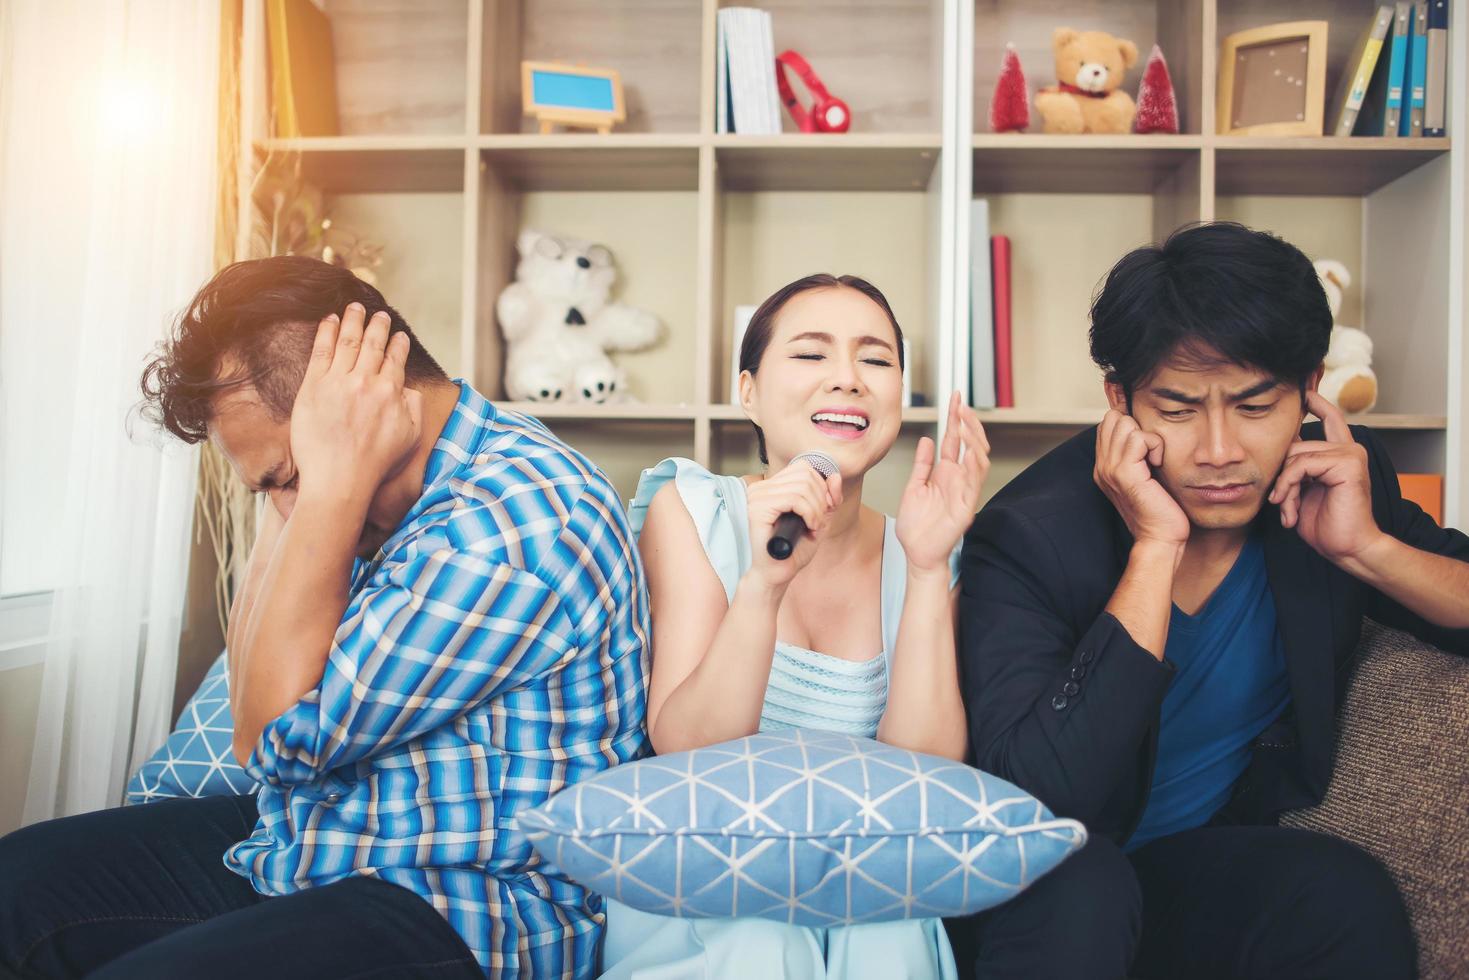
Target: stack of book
{"points": [[1396, 80], [745, 96], [991, 383]]}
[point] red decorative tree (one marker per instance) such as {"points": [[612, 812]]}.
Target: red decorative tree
{"points": [[1157, 109], [1010, 105]]}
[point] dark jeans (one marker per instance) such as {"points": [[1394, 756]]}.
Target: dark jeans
{"points": [[143, 892], [1217, 902]]}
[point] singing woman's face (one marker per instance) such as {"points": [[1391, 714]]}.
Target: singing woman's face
{"points": [[829, 380]]}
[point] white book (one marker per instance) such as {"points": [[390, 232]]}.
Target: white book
{"points": [[742, 317], [762, 75], [721, 75], [767, 74], [981, 308], [729, 38], [743, 66]]}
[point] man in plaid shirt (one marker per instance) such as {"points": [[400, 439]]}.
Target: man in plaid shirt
{"points": [[443, 622]]}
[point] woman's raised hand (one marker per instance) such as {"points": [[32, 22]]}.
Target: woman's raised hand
{"points": [[942, 494], [797, 489]]}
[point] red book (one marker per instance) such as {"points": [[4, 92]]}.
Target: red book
{"points": [[1000, 274]]}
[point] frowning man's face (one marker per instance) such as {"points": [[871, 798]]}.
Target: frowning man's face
{"points": [[1226, 429]]}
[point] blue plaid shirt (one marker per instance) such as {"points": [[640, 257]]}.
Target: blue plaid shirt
{"points": [[493, 652]]}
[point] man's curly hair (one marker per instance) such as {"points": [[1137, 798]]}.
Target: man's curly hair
{"points": [[253, 325]]}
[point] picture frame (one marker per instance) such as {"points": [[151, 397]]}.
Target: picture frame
{"points": [[1272, 80], [571, 95]]}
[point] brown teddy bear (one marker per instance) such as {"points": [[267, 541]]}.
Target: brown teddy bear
{"points": [[1088, 97]]}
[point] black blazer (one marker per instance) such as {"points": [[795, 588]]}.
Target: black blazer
{"points": [[1064, 704]]}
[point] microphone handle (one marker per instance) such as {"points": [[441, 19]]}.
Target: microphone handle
{"points": [[788, 530]]}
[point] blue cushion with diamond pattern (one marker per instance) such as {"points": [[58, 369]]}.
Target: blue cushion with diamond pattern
{"points": [[196, 760], [811, 828]]}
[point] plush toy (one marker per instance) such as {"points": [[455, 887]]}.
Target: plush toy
{"points": [[1349, 382], [1088, 98], [558, 323]]}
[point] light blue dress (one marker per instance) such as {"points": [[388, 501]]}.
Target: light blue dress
{"points": [[810, 690]]}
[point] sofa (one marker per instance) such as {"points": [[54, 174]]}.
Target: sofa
{"points": [[1400, 786]]}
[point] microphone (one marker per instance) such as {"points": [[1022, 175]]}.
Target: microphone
{"points": [[788, 526]]}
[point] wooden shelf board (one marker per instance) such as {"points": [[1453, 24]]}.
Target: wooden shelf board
{"points": [[592, 162], [1086, 164], [375, 164], [1081, 418], [1052, 418], [827, 161], [920, 415], [632, 411], [1323, 165]]}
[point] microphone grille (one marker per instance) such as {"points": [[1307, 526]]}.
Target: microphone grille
{"points": [[820, 462]]}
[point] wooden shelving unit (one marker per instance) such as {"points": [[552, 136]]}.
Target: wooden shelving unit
{"points": [[437, 162]]}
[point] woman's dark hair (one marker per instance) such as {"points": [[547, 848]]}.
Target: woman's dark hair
{"points": [[1216, 294], [254, 324], [762, 324]]}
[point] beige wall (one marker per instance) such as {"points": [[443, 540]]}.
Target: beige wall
{"points": [[773, 238], [20, 690], [1082, 235], [422, 238]]}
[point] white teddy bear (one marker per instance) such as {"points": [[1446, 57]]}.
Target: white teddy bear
{"points": [[558, 324], [1349, 381]]}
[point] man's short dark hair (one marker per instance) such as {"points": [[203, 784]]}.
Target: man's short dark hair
{"points": [[253, 324], [1216, 294]]}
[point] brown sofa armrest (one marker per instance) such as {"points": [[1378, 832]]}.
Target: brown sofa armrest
{"points": [[1400, 787]]}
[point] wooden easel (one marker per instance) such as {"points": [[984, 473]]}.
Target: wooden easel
{"points": [[600, 120]]}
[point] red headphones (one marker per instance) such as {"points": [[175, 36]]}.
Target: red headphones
{"points": [[828, 114]]}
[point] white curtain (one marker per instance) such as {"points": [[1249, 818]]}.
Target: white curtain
{"points": [[107, 202]]}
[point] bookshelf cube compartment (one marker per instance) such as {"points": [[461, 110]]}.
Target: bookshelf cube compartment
{"points": [[1407, 272], [1175, 25], [652, 237], [1413, 450], [401, 65], [884, 59], [420, 275], [1061, 249], [410, 201], [827, 162], [1345, 20], [654, 45], [771, 238], [1325, 227], [1395, 244], [624, 450], [1023, 162], [615, 162], [368, 165], [1328, 165]]}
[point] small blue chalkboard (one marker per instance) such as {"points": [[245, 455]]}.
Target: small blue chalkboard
{"points": [[571, 91], [571, 95]]}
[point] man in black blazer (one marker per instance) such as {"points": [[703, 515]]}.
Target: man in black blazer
{"points": [[1156, 620]]}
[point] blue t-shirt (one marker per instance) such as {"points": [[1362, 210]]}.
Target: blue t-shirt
{"points": [[1229, 684]]}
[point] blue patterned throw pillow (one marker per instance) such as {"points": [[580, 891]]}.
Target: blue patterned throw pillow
{"points": [[196, 760], [811, 828]]}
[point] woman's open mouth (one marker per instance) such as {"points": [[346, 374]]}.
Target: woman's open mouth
{"points": [[840, 425]]}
